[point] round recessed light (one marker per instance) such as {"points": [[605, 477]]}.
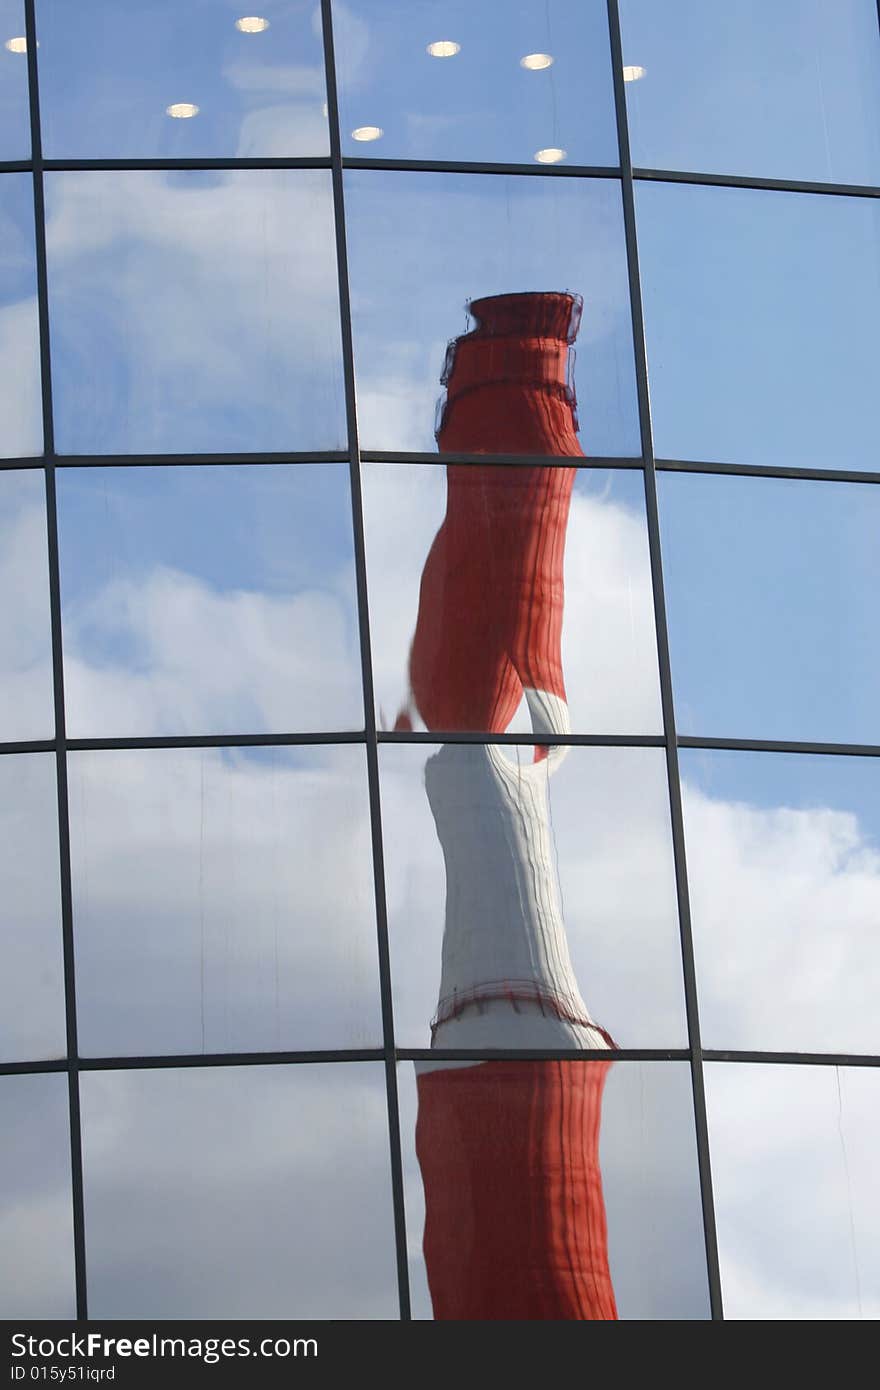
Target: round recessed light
{"points": [[549, 156], [367, 132], [444, 48], [633, 73], [16, 45], [536, 61], [251, 24], [182, 110]]}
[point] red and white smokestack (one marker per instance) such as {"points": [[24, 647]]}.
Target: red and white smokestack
{"points": [[515, 1222]]}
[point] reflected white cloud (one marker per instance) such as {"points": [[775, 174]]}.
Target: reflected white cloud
{"points": [[794, 1153], [244, 1192], [785, 904], [210, 913], [32, 1018], [36, 1211]]}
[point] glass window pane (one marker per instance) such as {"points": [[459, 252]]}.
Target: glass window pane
{"points": [[209, 600], [423, 245], [109, 74], [15, 131], [554, 1190], [531, 904], [194, 311], [510, 598], [766, 580], [794, 1172], [36, 1211], [239, 1192], [21, 425], [784, 91], [497, 82], [761, 313], [26, 700], [223, 901], [784, 871], [32, 1021]]}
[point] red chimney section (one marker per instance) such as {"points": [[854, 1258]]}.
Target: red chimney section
{"points": [[492, 592]]}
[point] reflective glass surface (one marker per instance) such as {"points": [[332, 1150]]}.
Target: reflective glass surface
{"points": [[504, 599], [769, 588], [784, 870], [422, 245], [531, 904], [497, 82], [36, 1211], [210, 913], [252, 1192], [109, 74], [21, 427], [31, 963], [794, 1170], [552, 1190], [26, 700], [194, 311], [786, 91], [761, 313], [208, 600], [15, 134]]}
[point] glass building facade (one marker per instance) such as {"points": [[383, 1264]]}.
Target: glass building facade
{"points": [[440, 849]]}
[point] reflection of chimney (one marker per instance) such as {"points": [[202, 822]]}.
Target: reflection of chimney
{"points": [[508, 387], [515, 1220], [489, 628], [514, 1214]]}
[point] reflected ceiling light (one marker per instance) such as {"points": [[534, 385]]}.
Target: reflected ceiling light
{"points": [[251, 24], [633, 74], [182, 110], [16, 45], [367, 132], [536, 61], [550, 156], [444, 48]]}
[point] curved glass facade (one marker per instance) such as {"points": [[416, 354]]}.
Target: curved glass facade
{"points": [[439, 763]]}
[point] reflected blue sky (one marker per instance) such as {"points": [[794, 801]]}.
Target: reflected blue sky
{"points": [[769, 588], [761, 315], [787, 90], [15, 133], [26, 700], [421, 245], [108, 72], [478, 103], [21, 425], [194, 311], [207, 597]]}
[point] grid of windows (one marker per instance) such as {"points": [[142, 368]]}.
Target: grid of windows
{"points": [[237, 827]]}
